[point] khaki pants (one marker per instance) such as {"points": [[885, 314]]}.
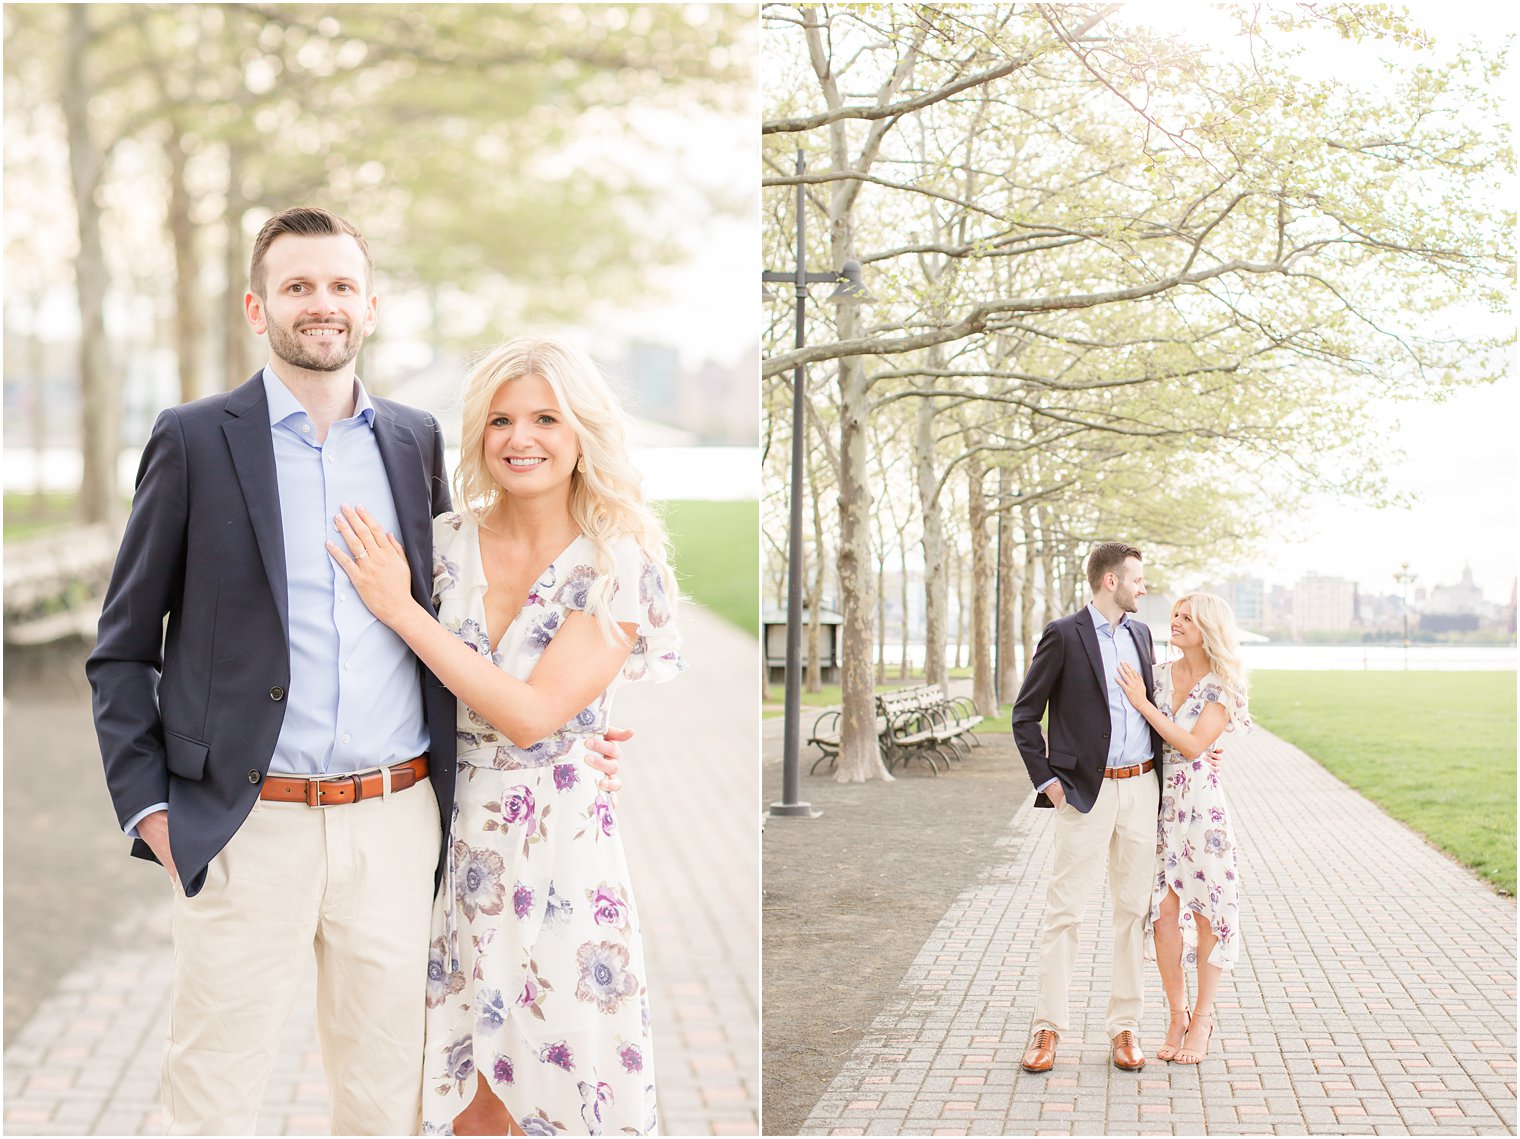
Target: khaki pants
{"points": [[351, 885], [1122, 824]]}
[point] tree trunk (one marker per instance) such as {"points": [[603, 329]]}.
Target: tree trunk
{"points": [[812, 680], [936, 580], [983, 689], [1008, 678], [100, 394], [902, 562], [237, 341], [1027, 585], [881, 614], [960, 613], [1053, 594], [187, 307], [859, 752]]}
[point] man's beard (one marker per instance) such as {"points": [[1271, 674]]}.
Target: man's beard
{"points": [[1125, 598], [289, 345]]}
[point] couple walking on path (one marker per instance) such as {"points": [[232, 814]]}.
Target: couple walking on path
{"points": [[1127, 770]]}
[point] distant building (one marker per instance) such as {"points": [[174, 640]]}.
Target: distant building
{"points": [[1464, 599], [1323, 604], [1278, 608], [1247, 596]]}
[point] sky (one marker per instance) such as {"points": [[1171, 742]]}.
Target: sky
{"points": [[1459, 457]]}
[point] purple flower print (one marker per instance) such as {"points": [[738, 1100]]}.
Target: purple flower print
{"points": [[1216, 842], [537, 1124], [575, 591], [586, 718], [605, 977], [529, 994], [631, 1058], [608, 907], [1216, 814], [1179, 780], [542, 632], [478, 887], [517, 807], [501, 1071], [604, 815], [442, 982], [593, 1099], [557, 910], [461, 1058], [558, 1055], [565, 776], [522, 901], [652, 595], [471, 633], [491, 1011]]}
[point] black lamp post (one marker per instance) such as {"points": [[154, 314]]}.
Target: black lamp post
{"points": [[848, 290]]}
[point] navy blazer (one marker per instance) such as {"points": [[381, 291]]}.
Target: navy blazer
{"points": [[1066, 674], [188, 713]]}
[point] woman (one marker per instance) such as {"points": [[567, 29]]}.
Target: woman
{"points": [[552, 588], [1196, 900]]}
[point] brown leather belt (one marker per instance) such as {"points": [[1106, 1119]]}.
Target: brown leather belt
{"points": [[337, 790], [1128, 772]]}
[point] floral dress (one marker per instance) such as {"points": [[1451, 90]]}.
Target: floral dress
{"points": [[1195, 842], [536, 976]]}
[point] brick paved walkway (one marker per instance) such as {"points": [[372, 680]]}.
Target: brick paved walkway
{"points": [[1375, 993], [87, 1062]]}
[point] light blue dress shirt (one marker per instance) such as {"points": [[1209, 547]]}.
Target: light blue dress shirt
{"points": [[354, 700], [1129, 735]]}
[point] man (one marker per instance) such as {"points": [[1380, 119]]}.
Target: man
{"points": [[1097, 772], [279, 751]]}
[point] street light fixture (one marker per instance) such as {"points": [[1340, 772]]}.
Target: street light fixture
{"points": [[848, 290]]}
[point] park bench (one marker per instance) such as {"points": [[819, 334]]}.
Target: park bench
{"points": [[957, 718], [917, 722], [825, 737], [54, 584]]}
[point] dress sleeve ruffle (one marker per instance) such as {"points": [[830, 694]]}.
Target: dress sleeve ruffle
{"points": [[638, 598], [448, 564], [1234, 705]]}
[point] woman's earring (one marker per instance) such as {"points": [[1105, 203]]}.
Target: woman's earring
{"points": [[580, 464]]}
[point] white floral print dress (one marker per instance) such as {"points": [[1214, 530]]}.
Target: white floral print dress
{"points": [[1195, 842], [536, 976]]}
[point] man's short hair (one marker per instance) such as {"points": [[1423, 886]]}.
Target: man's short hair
{"points": [[304, 221], [1108, 557]]}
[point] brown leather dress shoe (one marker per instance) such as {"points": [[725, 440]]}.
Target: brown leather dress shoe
{"points": [[1040, 1056], [1127, 1054]]}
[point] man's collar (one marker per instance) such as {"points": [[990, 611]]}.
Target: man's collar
{"points": [[283, 403], [1100, 621]]}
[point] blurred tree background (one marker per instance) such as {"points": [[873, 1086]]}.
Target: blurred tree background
{"points": [[505, 162]]}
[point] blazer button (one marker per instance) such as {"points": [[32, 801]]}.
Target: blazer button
{"points": [[277, 693], [253, 776], [1105, 735]]}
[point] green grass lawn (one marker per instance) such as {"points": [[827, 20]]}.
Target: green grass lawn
{"points": [[1435, 750], [26, 517], [717, 556]]}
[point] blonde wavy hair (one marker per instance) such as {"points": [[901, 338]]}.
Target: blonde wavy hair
{"points": [[607, 498], [1221, 639]]}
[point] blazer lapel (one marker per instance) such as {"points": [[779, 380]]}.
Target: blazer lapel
{"points": [[252, 448], [1147, 657], [1088, 635], [404, 468]]}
